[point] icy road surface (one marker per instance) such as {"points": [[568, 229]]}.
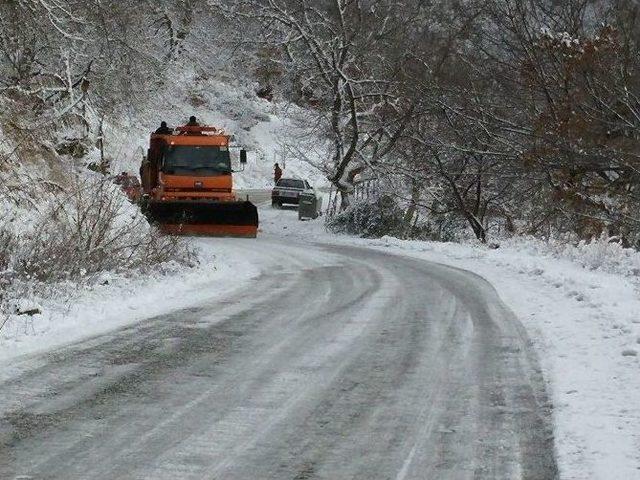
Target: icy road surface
{"points": [[336, 363]]}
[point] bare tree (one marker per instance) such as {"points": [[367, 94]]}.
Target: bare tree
{"points": [[347, 59]]}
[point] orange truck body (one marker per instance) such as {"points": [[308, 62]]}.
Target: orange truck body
{"points": [[188, 185]]}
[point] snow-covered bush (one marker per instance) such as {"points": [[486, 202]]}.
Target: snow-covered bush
{"points": [[607, 254], [92, 228], [54, 241], [604, 253], [373, 219], [65, 229]]}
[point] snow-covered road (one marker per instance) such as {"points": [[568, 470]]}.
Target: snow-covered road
{"points": [[336, 362]]}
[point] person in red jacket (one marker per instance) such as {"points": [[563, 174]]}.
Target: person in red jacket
{"points": [[277, 173]]}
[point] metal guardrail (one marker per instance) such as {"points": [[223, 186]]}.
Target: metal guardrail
{"points": [[255, 195], [261, 196]]}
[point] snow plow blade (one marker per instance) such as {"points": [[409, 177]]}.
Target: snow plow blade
{"points": [[205, 218]]}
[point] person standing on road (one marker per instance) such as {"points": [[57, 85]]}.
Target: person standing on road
{"points": [[277, 173]]}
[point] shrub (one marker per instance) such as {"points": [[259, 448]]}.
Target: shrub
{"points": [[91, 229], [370, 219]]}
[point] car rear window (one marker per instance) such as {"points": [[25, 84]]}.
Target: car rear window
{"points": [[291, 183]]}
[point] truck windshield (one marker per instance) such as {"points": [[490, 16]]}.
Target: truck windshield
{"points": [[196, 160]]}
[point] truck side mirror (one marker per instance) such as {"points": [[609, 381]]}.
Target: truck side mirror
{"points": [[243, 156]]}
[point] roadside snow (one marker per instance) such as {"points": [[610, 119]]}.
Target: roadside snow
{"points": [[114, 301], [581, 306]]}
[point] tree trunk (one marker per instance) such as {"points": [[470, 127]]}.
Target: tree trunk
{"points": [[413, 205], [476, 226]]}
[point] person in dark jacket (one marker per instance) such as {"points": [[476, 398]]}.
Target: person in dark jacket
{"points": [[192, 122], [277, 173], [163, 130]]}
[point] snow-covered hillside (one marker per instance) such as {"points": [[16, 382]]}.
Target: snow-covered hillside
{"points": [[259, 126]]}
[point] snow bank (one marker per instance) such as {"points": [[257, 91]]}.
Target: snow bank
{"points": [[604, 254], [70, 312]]}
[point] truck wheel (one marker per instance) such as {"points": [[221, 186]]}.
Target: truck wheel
{"points": [[276, 204]]}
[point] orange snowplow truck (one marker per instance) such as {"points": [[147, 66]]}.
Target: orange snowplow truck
{"points": [[187, 185]]}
